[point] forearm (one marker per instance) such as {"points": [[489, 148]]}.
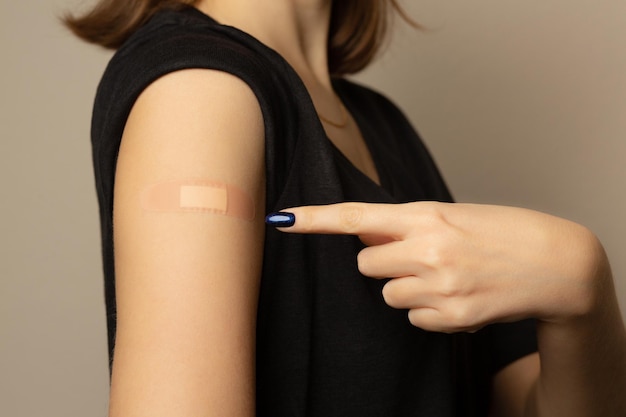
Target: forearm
{"points": [[583, 362]]}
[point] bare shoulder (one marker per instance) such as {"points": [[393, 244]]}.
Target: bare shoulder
{"points": [[196, 107], [218, 89], [193, 123]]}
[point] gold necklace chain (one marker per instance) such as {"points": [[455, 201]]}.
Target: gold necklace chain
{"points": [[344, 116]]}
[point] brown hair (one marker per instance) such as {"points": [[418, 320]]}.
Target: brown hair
{"points": [[357, 27]]}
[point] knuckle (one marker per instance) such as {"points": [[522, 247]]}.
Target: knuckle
{"points": [[350, 217], [433, 214], [437, 256], [447, 288], [461, 316], [445, 249], [437, 219], [432, 256], [450, 286]]}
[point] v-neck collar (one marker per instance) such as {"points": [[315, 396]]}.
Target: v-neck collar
{"points": [[385, 185]]}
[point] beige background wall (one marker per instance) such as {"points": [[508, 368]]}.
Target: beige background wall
{"points": [[522, 102]]}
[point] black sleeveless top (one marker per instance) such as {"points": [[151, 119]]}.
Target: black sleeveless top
{"points": [[327, 344]]}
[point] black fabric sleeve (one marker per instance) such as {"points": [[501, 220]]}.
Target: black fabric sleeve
{"points": [[171, 42], [510, 341]]}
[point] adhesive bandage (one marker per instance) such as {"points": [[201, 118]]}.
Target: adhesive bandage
{"points": [[198, 196]]}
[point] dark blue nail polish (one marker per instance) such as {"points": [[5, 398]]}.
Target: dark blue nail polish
{"points": [[280, 219]]}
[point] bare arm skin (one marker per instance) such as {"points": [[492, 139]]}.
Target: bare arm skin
{"points": [[187, 283], [459, 267]]}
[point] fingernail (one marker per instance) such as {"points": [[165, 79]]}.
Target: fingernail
{"points": [[280, 219]]}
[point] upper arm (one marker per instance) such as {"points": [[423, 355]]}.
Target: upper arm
{"points": [[187, 283], [513, 385]]}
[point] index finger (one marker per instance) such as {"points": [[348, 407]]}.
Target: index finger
{"points": [[341, 218]]}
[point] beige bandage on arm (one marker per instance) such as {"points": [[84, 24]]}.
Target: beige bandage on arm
{"points": [[198, 196]]}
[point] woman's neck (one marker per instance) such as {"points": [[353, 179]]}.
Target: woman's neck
{"points": [[296, 29]]}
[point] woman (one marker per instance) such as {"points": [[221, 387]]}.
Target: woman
{"points": [[198, 128]]}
